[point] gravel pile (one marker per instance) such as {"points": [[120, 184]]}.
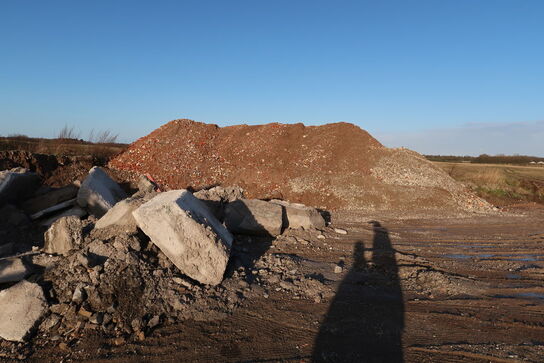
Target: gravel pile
{"points": [[334, 166]]}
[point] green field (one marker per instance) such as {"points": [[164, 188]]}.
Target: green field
{"points": [[500, 184]]}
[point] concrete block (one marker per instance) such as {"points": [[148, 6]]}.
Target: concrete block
{"points": [[253, 216], [98, 192], [50, 199], [72, 212], [12, 270], [17, 184], [63, 236], [23, 305], [300, 216], [121, 213], [187, 233]]}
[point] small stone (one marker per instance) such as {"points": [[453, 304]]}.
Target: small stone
{"points": [[338, 269], [119, 341], [85, 313], [320, 236], [340, 231], [63, 346], [153, 322]]}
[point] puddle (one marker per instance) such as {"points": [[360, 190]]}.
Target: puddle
{"points": [[531, 295], [524, 258], [460, 256], [513, 276]]}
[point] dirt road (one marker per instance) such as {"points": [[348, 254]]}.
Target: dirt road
{"points": [[414, 290]]}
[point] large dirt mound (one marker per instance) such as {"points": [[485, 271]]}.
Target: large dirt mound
{"points": [[334, 166]]}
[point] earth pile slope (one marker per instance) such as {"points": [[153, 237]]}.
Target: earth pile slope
{"points": [[334, 166]]}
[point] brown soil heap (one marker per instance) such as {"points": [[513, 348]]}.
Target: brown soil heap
{"points": [[334, 166]]}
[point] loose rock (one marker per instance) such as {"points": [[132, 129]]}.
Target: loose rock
{"points": [[63, 236], [22, 306], [185, 231], [99, 193], [253, 216]]}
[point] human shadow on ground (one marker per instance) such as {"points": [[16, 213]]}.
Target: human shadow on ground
{"points": [[365, 320]]}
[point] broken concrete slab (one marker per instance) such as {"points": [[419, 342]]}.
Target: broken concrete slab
{"points": [[74, 211], [64, 205], [121, 213], [50, 199], [300, 216], [12, 270], [98, 192], [253, 216], [188, 234], [23, 305], [217, 197], [63, 236], [17, 184]]}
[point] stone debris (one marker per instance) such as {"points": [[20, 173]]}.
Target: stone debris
{"points": [[254, 217], [53, 209], [121, 213], [340, 231], [12, 270], [50, 199], [63, 236], [22, 306], [300, 216], [145, 185], [17, 184], [185, 231], [98, 192], [72, 212]]}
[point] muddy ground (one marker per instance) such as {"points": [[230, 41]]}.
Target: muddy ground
{"points": [[428, 289]]}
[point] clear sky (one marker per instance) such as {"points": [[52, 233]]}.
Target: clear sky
{"points": [[406, 71]]}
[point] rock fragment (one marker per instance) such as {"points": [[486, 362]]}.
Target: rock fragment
{"points": [[340, 231], [187, 233], [50, 199], [12, 270], [99, 193], [253, 216], [22, 305], [72, 212], [300, 216], [17, 184], [121, 213], [63, 236]]}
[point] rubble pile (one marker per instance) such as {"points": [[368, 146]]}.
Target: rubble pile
{"points": [[334, 166], [121, 266]]}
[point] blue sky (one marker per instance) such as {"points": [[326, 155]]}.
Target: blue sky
{"points": [[405, 71]]}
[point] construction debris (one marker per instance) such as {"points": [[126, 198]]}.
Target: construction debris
{"points": [[184, 229], [64, 235], [98, 192], [22, 306], [300, 216], [254, 217], [17, 184], [12, 270]]}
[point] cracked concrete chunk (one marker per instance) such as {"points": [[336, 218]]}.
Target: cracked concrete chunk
{"points": [[121, 213], [188, 234], [98, 192], [22, 305], [12, 270], [300, 216], [17, 184], [64, 235], [253, 216]]}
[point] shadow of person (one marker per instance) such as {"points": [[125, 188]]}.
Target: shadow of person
{"points": [[366, 317]]}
